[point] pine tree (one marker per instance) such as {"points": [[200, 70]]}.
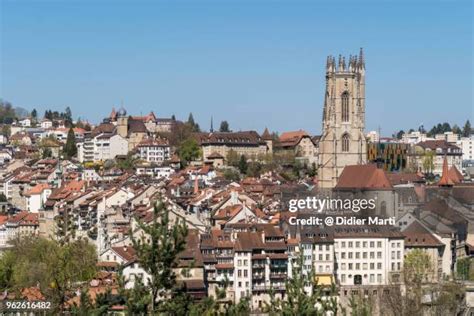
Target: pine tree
{"points": [[466, 131], [157, 249], [224, 127], [70, 149]]}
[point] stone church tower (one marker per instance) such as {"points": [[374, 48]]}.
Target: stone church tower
{"points": [[342, 141]]}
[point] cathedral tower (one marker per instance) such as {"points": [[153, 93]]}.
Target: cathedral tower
{"points": [[342, 141]]}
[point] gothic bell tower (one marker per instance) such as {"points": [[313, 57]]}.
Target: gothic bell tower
{"points": [[342, 141]]}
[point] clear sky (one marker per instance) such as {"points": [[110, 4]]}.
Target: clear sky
{"points": [[253, 63]]}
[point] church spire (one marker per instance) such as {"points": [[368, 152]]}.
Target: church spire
{"points": [[212, 126]]}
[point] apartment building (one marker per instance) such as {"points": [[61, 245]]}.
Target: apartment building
{"points": [[250, 262], [102, 147], [153, 150], [368, 255], [440, 150]]}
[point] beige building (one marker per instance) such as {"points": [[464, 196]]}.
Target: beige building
{"points": [[301, 144], [248, 144], [343, 141]]}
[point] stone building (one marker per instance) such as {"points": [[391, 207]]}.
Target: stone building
{"points": [[246, 143], [343, 141], [301, 144]]}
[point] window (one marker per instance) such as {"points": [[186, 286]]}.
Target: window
{"points": [[345, 143], [345, 106]]}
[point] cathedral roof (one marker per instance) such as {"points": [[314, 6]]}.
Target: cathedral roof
{"points": [[367, 177]]}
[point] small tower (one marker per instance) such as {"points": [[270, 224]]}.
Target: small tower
{"points": [[122, 123], [268, 140]]}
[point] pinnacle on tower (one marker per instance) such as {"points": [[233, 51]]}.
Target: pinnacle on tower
{"points": [[361, 59]]}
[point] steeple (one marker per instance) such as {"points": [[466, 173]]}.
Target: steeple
{"points": [[212, 126], [445, 180]]}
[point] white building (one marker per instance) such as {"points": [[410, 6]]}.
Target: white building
{"points": [[107, 146], [369, 260], [415, 137], [154, 171], [26, 122], [450, 137], [90, 175], [441, 149], [154, 150], [37, 196], [373, 136], [467, 147], [102, 147], [46, 124]]}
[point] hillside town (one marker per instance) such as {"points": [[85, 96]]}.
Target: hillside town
{"points": [[111, 185]]}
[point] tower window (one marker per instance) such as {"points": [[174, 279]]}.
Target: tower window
{"points": [[345, 106], [345, 143]]}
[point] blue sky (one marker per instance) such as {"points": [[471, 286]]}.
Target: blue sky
{"points": [[253, 63]]}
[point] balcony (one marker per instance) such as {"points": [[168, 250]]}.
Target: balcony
{"points": [[258, 266], [259, 287], [278, 275]]}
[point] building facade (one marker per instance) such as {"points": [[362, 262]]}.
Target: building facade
{"points": [[343, 141]]}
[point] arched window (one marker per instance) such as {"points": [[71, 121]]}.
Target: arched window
{"points": [[345, 106], [345, 143]]}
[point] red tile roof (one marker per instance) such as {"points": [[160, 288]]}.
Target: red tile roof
{"points": [[37, 189], [367, 177]]}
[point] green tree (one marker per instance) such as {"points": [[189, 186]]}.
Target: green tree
{"points": [[47, 153], [34, 114], [243, 165], [224, 127], [232, 158], [467, 130], [360, 305], [6, 130], [68, 117], [400, 134], [124, 164], [70, 149], [231, 174], [194, 126], [456, 129], [428, 161], [304, 296], [189, 150], [157, 249], [254, 169], [56, 268]]}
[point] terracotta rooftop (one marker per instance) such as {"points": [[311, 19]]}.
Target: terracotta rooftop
{"points": [[367, 177], [37, 189]]}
